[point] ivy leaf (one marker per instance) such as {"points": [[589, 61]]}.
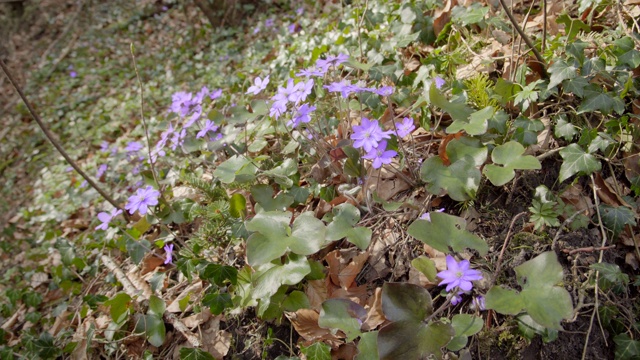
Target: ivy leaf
{"points": [[626, 348], [219, 274], [576, 160], [217, 302], [611, 272], [137, 249], [564, 129], [344, 315], [509, 155], [624, 49], [616, 218], [119, 304], [560, 71], [597, 100], [444, 231], [194, 354], [317, 351], [575, 85]]}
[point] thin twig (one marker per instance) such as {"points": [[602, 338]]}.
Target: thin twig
{"points": [[55, 142], [526, 39], [506, 243], [588, 249]]}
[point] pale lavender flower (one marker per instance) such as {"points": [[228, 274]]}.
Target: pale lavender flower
{"points": [[344, 87], [300, 10], [384, 91], [142, 199], [439, 82], [479, 303], [84, 184], [268, 23], [106, 218], [312, 71], [178, 139], [302, 116], [332, 60], [258, 85], [427, 216], [292, 28], [101, 170], [458, 275], [368, 135], [405, 127], [195, 116], [181, 103], [456, 298], [380, 155], [208, 126], [215, 94], [133, 147], [73, 74], [104, 147], [279, 105], [256, 30], [168, 249]]}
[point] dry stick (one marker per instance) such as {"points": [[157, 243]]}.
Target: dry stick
{"points": [[588, 249], [55, 142], [603, 233], [144, 123], [506, 243], [132, 291], [526, 39]]}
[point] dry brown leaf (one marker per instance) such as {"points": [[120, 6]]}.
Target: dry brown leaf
{"points": [[631, 165], [632, 260], [574, 195], [316, 292], [38, 279], [305, 321], [193, 289], [375, 316], [350, 272], [344, 352], [61, 320], [411, 65], [197, 319], [150, 262], [386, 188], [357, 294], [607, 194], [216, 343], [442, 16]]}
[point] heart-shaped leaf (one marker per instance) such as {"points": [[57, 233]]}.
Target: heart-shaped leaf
{"points": [[404, 302], [444, 231]]}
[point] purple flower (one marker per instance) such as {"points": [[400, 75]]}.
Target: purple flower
{"points": [[181, 103], [458, 275], [302, 116], [427, 216], [101, 170], [332, 60], [456, 298], [300, 10], [292, 28], [104, 147], [168, 249], [73, 74], [268, 23], [258, 85], [312, 71], [133, 147], [201, 94], [479, 303], [208, 126], [178, 139], [142, 199], [215, 94], [195, 116], [384, 91], [256, 30], [279, 105], [344, 87], [439, 82], [106, 218], [380, 155], [405, 127], [368, 134]]}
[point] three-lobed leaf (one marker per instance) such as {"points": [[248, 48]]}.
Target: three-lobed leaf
{"points": [[444, 231], [576, 161]]}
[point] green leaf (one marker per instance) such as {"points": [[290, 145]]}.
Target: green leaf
{"points": [[597, 100], [67, 251], [156, 305], [425, 266], [153, 327], [405, 302], [412, 339], [575, 85], [219, 274], [624, 49], [548, 305], [282, 173], [444, 231], [476, 124], [560, 71], [217, 302], [611, 272], [157, 281], [137, 249], [529, 329], [509, 155], [194, 354], [458, 111], [263, 194], [119, 304], [466, 325], [296, 300], [564, 129], [272, 238], [616, 218], [317, 351], [467, 148], [345, 217], [572, 26], [626, 348], [236, 166], [342, 314], [543, 270], [460, 180], [504, 301], [238, 206], [266, 282], [576, 160], [368, 346]]}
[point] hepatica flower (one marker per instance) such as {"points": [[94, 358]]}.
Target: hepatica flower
{"points": [[302, 116], [380, 155], [258, 85], [101, 170], [208, 126], [427, 216], [458, 275], [142, 200], [405, 127], [133, 147], [168, 249], [106, 218], [439, 82], [368, 135]]}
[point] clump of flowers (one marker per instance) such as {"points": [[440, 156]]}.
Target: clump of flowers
{"points": [[458, 277], [380, 155]]}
